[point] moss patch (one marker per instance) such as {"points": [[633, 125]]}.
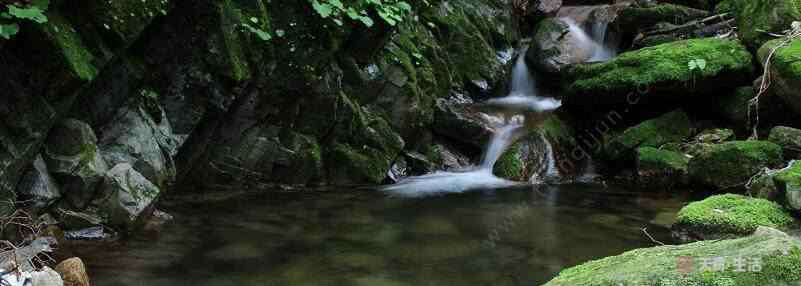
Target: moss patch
{"points": [[657, 266], [756, 16], [731, 215], [69, 46], [671, 127], [653, 158], [661, 69], [732, 164]]}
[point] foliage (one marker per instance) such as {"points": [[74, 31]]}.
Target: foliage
{"points": [[15, 13], [390, 11], [697, 64], [261, 34]]}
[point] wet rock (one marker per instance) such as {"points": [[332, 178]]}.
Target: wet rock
{"points": [[785, 70], [714, 136], [37, 188], [732, 164], [646, 265], [136, 138], [126, 196], [661, 169], [755, 17], [91, 233], [539, 9], [661, 72], [554, 46], [790, 140], [635, 16], [74, 160], [46, 277], [672, 127], [73, 271], [787, 182], [728, 216], [455, 120]]}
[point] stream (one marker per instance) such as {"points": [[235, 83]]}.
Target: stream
{"points": [[513, 236]]}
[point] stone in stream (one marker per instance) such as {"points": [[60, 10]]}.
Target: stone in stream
{"points": [[728, 216], [74, 160], [732, 164], [73, 272], [661, 72], [126, 196], [790, 140], [672, 127], [661, 169], [785, 69], [778, 256]]}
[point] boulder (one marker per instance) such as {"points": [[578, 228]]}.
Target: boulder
{"points": [[728, 216], [788, 186], [672, 127], [73, 271], [74, 160], [454, 119], [37, 188], [661, 72], [778, 253], [732, 164], [539, 9], [785, 71], [661, 169], [634, 17], [790, 140], [755, 17], [126, 197], [46, 277], [526, 160], [714, 136], [555, 46], [143, 141]]}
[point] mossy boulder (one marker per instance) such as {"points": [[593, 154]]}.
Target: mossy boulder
{"points": [[728, 216], [780, 257], [554, 46], [349, 165], [790, 140], [126, 197], [785, 70], [788, 186], [713, 136], [647, 16], [672, 127], [122, 21], [661, 71], [662, 169], [732, 164], [755, 17]]}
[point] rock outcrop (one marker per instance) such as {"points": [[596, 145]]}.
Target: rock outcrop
{"points": [[728, 216]]}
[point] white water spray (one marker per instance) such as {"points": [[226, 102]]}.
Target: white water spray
{"points": [[594, 43]]}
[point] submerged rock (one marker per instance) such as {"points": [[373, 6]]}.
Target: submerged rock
{"points": [[728, 216], [73, 158], [785, 70], [732, 164], [672, 127], [661, 71], [790, 140], [661, 169], [778, 255]]}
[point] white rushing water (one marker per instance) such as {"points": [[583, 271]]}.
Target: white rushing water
{"points": [[522, 99], [595, 41]]}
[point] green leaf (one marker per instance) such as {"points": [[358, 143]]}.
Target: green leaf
{"points": [[404, 6], [701, 63], [8, 30], [367, 21], [323, 9], [33, 13]]}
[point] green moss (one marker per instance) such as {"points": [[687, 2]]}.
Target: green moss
{"points": [[651, 15], [732, 214], [655, 159], [754, 17], [657, 266], [126, 19], [662, 68], [509, 166], [70, 47], [672, 127], [786, 61], [349, 165], [732, 164]]}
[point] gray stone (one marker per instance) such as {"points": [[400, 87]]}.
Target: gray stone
{"points": [[74, 160], [126, 196], [790, 140], [46, 277], [37, 187]]}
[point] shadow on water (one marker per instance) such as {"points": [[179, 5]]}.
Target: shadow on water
{"points": [[512, 236]]}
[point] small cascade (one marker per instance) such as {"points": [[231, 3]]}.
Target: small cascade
{"points": [[500, 141], [595, 43], [549, 169]]}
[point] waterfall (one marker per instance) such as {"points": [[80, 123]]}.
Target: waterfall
{"points": [[549, 170], [500, 141], [595, 43]]}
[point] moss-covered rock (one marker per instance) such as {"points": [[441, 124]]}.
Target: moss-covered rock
{"points": [[788, 186], [779, 254], [555, 46], [637, 16], [717, 135], [728, 216], [672, 127], [732, 164], [790, 140], [755, 17], [349, 165], [786, 70], [662, 169], [662, 71]]}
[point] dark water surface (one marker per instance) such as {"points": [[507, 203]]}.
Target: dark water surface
{"points": [[520, 236]]}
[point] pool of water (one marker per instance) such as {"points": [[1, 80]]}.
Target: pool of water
{"points": [[518, 236]]}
